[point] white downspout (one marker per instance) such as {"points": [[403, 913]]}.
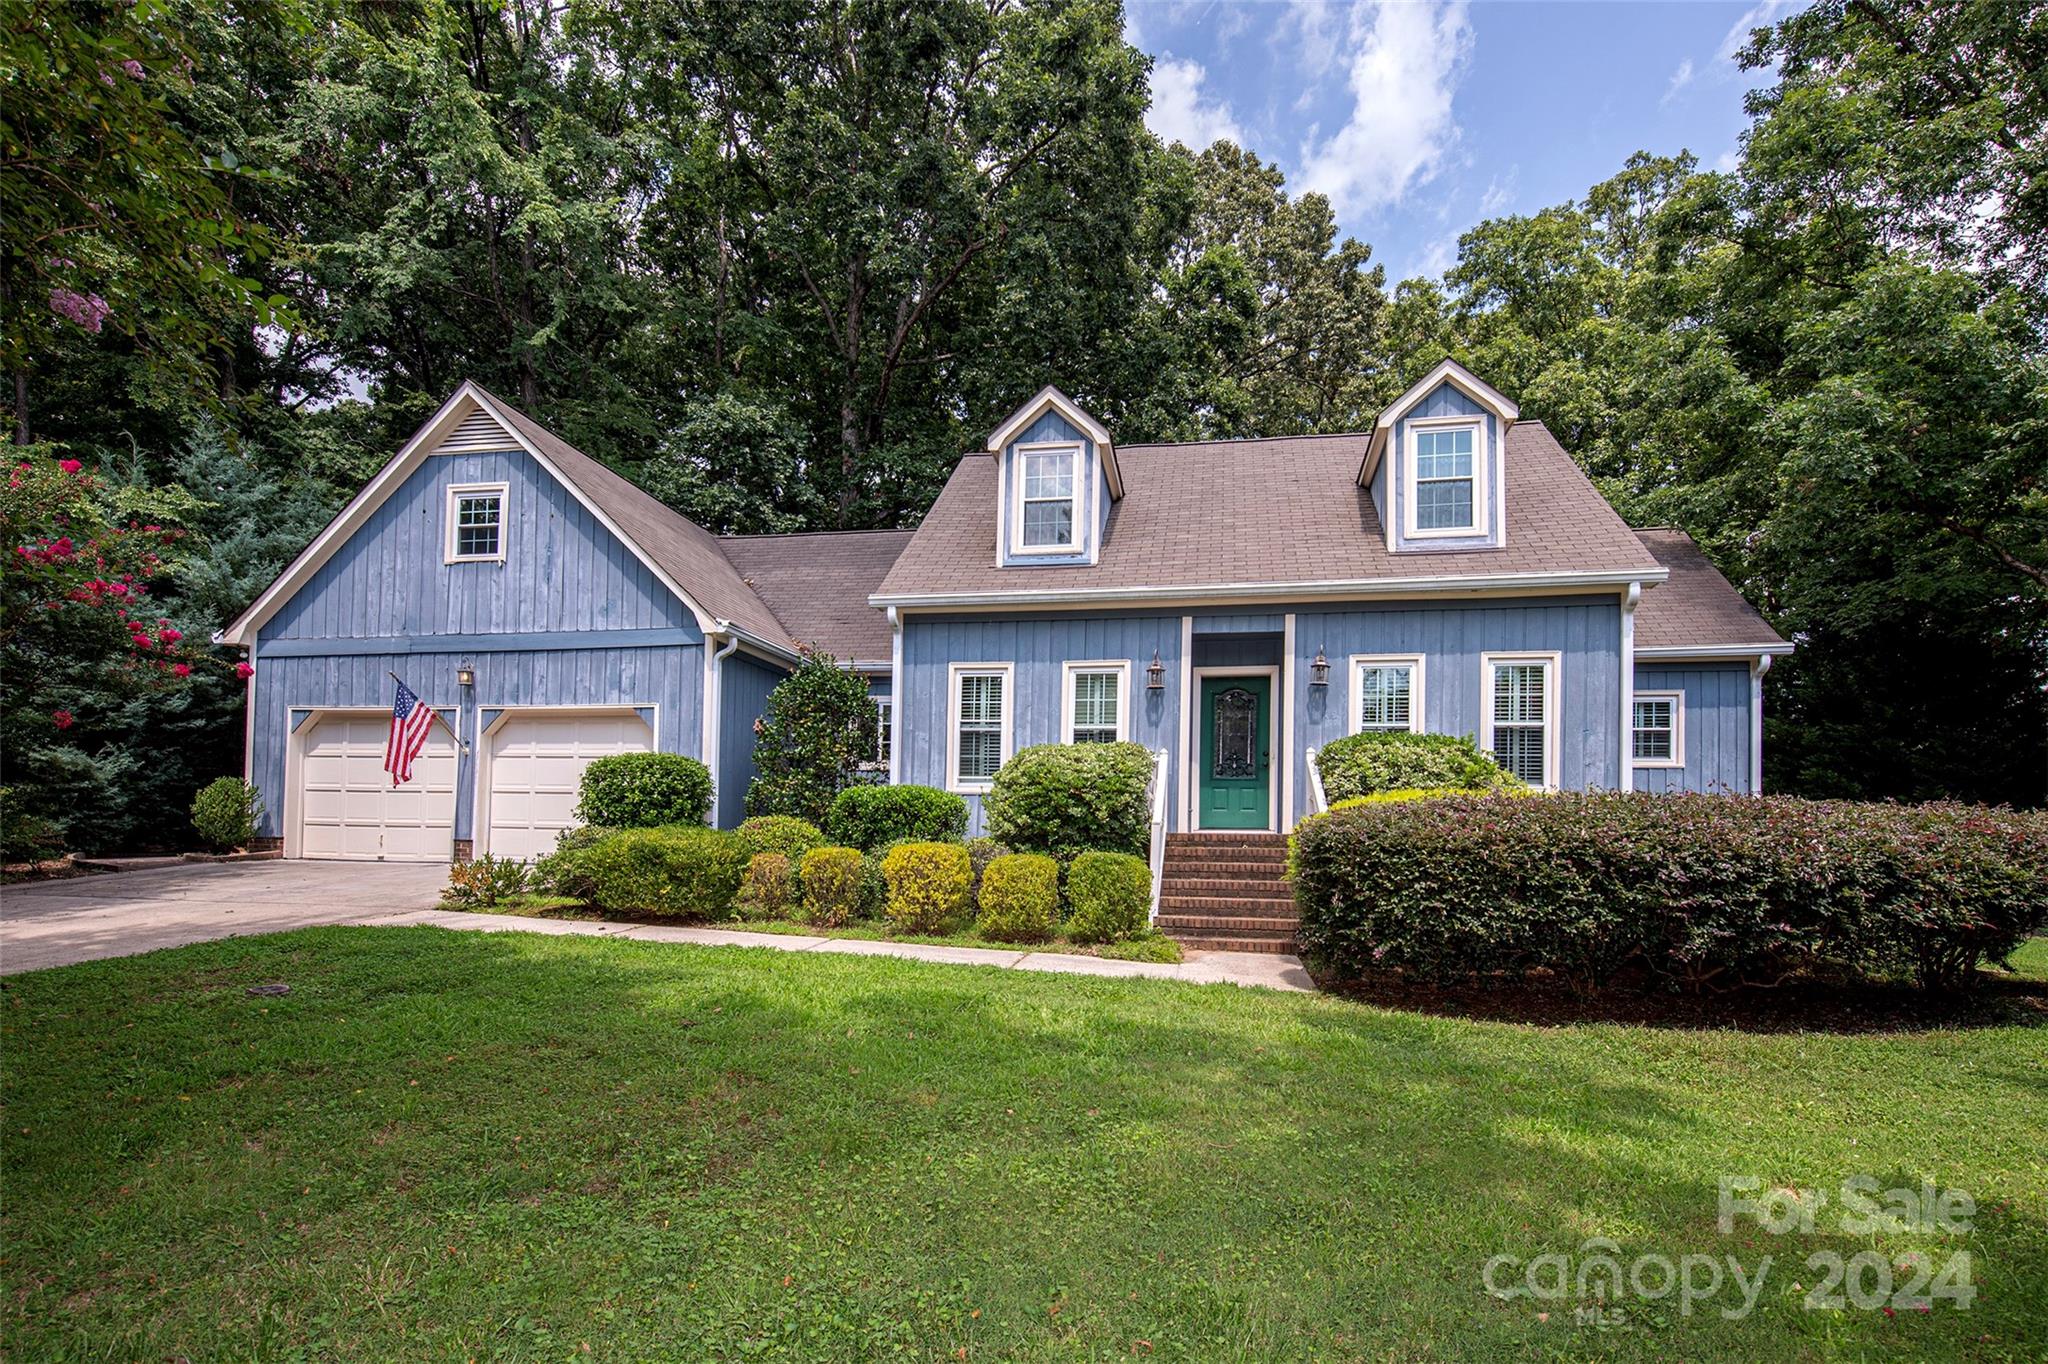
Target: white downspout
{"points": [[1756, 723], [1629, 601], [895, 697], [714, 698]]}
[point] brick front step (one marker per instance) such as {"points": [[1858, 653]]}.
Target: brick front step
{"points": [[1258, 887], [1275, 946], [1246, 925], [1227, 892], [1261, 842], [1227, 904]]}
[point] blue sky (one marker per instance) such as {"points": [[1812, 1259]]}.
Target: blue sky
{"points": [[1420, 118]]}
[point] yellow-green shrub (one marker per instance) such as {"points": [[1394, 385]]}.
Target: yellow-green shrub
{"points": [[1020, 898], [832, 889], [768, 890], [1112, 897], [928, 884]]}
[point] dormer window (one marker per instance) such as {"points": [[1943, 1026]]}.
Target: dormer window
{"points": [[1048, 499], [1446, 472]]}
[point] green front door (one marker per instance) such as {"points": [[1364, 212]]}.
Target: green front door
{"points": [[1236, 775]]}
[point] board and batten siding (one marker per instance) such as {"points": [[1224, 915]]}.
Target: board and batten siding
{"points": [[1093, 520], [570, 618], [1585, 631], [1716, 723], [1389, 484], [743, 687], [1037, 647]]}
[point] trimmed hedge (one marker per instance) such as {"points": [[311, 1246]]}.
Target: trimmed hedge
{"points": [[1691, 891], [1377, 761], [1066, 799], [866, 817], [928, 884], [678, 870], [768, 889], [1111, 895], [645, 791], [785, 834], [1020, 898], [832, 885], [226, 812]]}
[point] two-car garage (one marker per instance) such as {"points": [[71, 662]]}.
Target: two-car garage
{"points": [[341, 803]]}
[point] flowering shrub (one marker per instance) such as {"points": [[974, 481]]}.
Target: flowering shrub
{"points": [[1375, 761], [644, 791], [485, 882], [1693, 891], [869, 816], [226, 813], [1020, 898], [1065, 799], [1112, 897], [927, 886], [832, 885]]}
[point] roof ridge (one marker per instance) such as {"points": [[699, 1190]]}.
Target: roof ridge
{"points": [[1243, 440], [795, 534]]}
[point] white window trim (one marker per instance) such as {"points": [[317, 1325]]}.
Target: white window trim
{"points": [[1410, 469], [457, 491], [884, 705], [1552, 683], [1677, 700], [954, 672], [1122, 668], [1413, 662], [1017, 453]]}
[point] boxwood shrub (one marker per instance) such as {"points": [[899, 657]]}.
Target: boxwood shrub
{"points": [[645, 791], [1020, 898], [928, 884], [676, 870], [768, 888], [833, 889], [1375, 761], [1066, 799], [785, 834], [1111, 894], [1692, 891], [226, 812], [866, 817]]}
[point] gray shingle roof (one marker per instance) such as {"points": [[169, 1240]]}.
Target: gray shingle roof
{"points": [[818, 585], [1696, 607], [1286, 510]]}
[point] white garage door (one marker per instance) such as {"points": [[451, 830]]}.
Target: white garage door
{"points": [[348, 806], [537, 762]]}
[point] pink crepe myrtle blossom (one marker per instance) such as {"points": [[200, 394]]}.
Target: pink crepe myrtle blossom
{"points": [[181, 670], [61, 719], [169, 635], [244, 671], [69, 466], [83, 310]]}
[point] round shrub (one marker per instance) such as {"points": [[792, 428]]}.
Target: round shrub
{"points": [[1364, 764], [1112, 897], [226, 812], [645, 791], [768, 889], [559, 873], [928, 885], [1020, 898], [1065, 799], [833, 886], [785, 834], [869, 816], [676, 870]]}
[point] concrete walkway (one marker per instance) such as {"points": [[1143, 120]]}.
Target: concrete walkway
{"points": [[85, 918]]}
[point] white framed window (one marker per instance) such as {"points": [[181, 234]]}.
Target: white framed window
{"points": [[1659, 739], [978, 733], [476, 523], [1046, 494], [885, 723], [1386, 693], [1096, 702], [1518, 714], [1445, 492]]}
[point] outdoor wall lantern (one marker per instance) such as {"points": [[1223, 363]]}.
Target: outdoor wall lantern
{"points": [[465, 677], [1155, 674], [1319, 670]]}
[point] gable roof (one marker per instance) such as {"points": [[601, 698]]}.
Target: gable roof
{"points": [[1050, 399], [1450, 372], [818, 584], [1696, 608], [1269, 519], [682, 554]]}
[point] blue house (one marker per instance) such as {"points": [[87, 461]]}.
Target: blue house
{"points": [[1234, 606]]}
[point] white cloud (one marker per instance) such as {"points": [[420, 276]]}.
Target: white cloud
{"points": [[1181, 113], [1498, 195], [1760, 15], [1680, 78], [1404, 62]]}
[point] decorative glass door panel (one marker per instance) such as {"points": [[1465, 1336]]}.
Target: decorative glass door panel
{"points": [[1235, 773]]}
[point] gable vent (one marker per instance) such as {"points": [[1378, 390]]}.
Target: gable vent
{"points": [[478, 431]]}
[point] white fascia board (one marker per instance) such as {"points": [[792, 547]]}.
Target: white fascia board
{"points": [[1460, 378], [1711, 653], [1225, 593], [1051, 397], [755, 644]]}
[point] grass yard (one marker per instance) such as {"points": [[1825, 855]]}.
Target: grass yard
{"points": [[509, 1146]]}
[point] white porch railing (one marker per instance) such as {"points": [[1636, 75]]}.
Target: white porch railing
{"points": [[1158, 849], [1317, 799]]}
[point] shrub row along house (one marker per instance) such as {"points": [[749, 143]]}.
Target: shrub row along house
{"points": [[1231, 605]]}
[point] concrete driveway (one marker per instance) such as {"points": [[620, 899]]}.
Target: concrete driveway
{"points": [[83, 918]]}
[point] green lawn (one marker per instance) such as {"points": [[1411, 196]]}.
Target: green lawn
{"points": [[508, 1146]]}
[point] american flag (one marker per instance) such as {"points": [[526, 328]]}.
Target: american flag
{"points": [[411, 719]]}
